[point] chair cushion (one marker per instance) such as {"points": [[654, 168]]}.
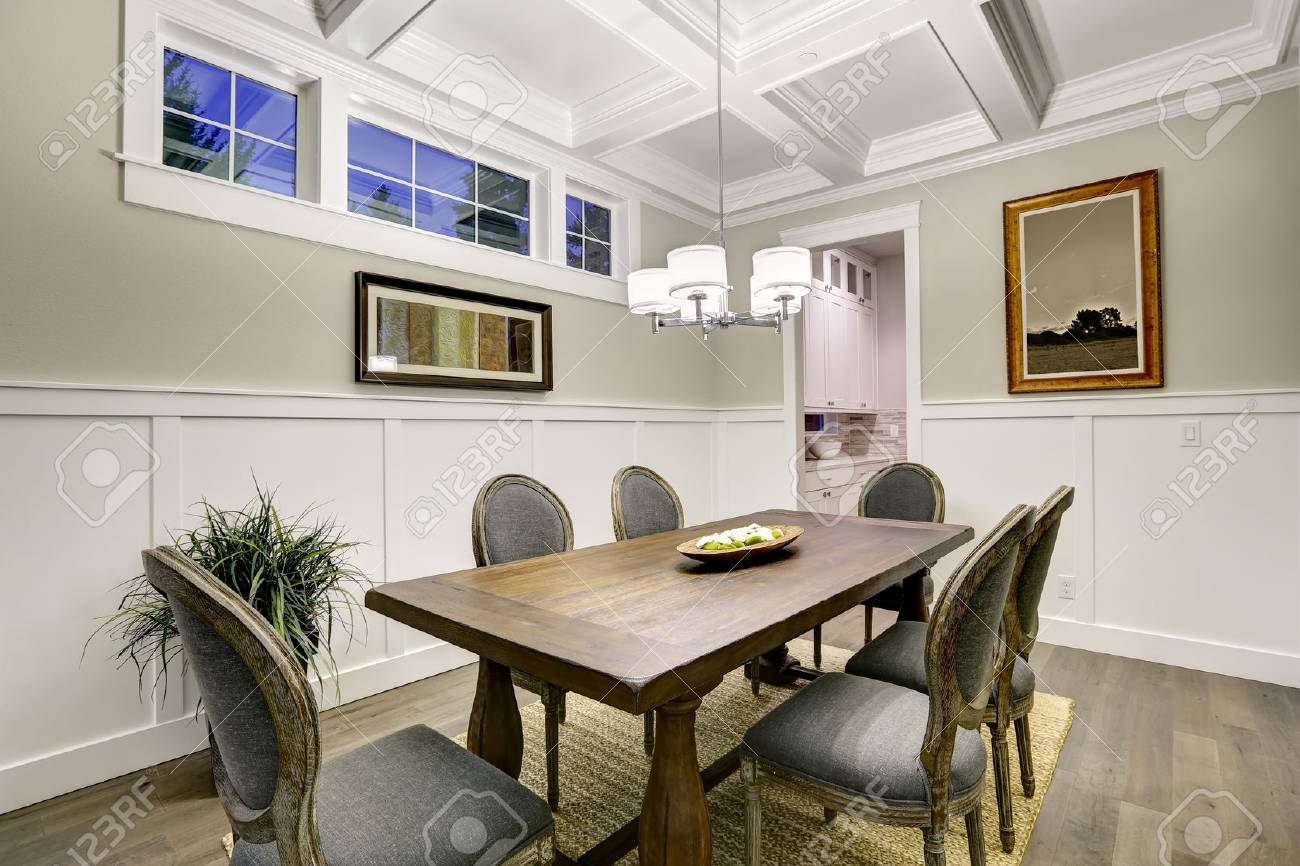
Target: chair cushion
{"points": [[647, 507], [520, 522], [414, 798], [891, 597], [897, 656], [861, 736]]}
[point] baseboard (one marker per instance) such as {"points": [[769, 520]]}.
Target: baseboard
{"points": [[1233, 661], [51, 775]]}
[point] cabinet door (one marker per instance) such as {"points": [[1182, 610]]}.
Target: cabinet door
{"points": [[841, 355], [865, 340], [815, 343]]}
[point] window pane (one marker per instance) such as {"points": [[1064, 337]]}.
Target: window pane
{"points": [[573, 214], [502, 231], [444, 172], [597, 257], [266, 111], [500, 190], [375, 197], [196, 87], [596, 220], [573, 251], [196, 146], [379, 150], [265, 166], [445, 216]]}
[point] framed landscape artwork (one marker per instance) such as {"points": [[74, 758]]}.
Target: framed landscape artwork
{"points": [[1083, 287], [414, 333]]}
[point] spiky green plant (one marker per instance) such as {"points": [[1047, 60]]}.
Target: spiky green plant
{"points": [[296, 572]]}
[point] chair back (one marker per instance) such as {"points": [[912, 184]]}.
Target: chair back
{"points": [[1036, 556], [261, 714], [643, 503], [517, 517], [904, 491], [964, 640]]}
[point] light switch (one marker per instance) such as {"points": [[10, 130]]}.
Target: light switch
{"points": [[1191, 434]]}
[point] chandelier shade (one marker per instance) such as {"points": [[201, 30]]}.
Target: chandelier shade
{"points": [[647, 293], [698, 268], [782, 271]]}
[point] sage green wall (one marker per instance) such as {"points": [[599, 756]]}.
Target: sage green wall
{"points": [[1230, 256], [98, 291]]}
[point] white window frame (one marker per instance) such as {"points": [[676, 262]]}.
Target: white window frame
{"points": [[330, 86]]}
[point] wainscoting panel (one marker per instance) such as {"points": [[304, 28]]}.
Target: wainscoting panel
{"points": [[399, 473], [1184, 555]]}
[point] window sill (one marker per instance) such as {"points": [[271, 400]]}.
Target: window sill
{"points": [[152, 185]]}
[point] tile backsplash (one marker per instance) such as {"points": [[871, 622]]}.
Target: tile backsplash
{"points": [[882, 434]]}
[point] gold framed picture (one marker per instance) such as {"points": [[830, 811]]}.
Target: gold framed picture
{"points": [[1083, 287], [414, 333]]}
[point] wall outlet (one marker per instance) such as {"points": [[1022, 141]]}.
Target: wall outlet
{"points": [[893, 431], [1190, 434], [1067, 586]]}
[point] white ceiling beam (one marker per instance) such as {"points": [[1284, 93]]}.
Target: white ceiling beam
{"points": [[369, 26]]}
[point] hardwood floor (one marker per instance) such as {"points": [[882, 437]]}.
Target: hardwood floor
{"points": [[1146, 737]]}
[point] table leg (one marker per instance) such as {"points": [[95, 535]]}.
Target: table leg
{"points": [[913, 607], [675, 816], [496, 733]]}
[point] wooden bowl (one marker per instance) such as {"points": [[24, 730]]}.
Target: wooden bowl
{"points": [[735, 554]]}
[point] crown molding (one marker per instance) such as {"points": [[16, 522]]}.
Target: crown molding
{"points": [[642, 93], [1274, 80], [1260, 45], [934, 140], [1013, 30], [846, 230], [798, 97]]}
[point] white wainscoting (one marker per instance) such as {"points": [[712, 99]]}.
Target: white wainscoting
{"points": [[71, 721], [1219, 590]]}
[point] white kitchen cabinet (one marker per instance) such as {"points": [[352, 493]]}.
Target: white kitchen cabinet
{"points": [[840, 339]]}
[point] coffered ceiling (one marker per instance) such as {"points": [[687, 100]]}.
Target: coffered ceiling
{"points": [[824, 98]]}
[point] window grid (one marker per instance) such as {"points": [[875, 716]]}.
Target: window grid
{"points": [[413, 185], [233, 128], [601, 265]]}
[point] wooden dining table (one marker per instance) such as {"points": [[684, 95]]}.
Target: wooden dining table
{"points": [[637, 626]]}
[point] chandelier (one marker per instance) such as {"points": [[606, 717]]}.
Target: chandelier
{"points": [[694, 290]]}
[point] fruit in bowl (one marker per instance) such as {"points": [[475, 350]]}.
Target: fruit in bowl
{"points": [[743, 536]]}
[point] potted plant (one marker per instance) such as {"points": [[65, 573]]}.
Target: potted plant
{"points": [[296, 572]]}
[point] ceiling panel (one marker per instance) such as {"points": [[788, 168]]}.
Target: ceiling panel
{"points": [[1082, 38], [551, 46], [920, 86], [695, 145]]}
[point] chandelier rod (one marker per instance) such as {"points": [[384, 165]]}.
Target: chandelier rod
{"points": [[721, 211]]}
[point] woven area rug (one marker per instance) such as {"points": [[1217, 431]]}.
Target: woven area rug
{"points": [[603, 771]]}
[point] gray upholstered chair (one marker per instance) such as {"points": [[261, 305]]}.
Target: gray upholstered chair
{"points": [[644, 503], [517, 517], [396, 800], [898, 656], [903, 491], [889, 754]]}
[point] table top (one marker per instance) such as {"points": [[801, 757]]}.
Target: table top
{"points": [[635, 624]]}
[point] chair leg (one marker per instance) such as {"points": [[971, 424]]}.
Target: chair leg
{"points": [[553, 701], [934, 853], [975, 836], [829, 815], [564, 706], [1002, 785], [1025, 749], [753, 674], [817, 647], [753, 812], [649, 733], [866, 626]]}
